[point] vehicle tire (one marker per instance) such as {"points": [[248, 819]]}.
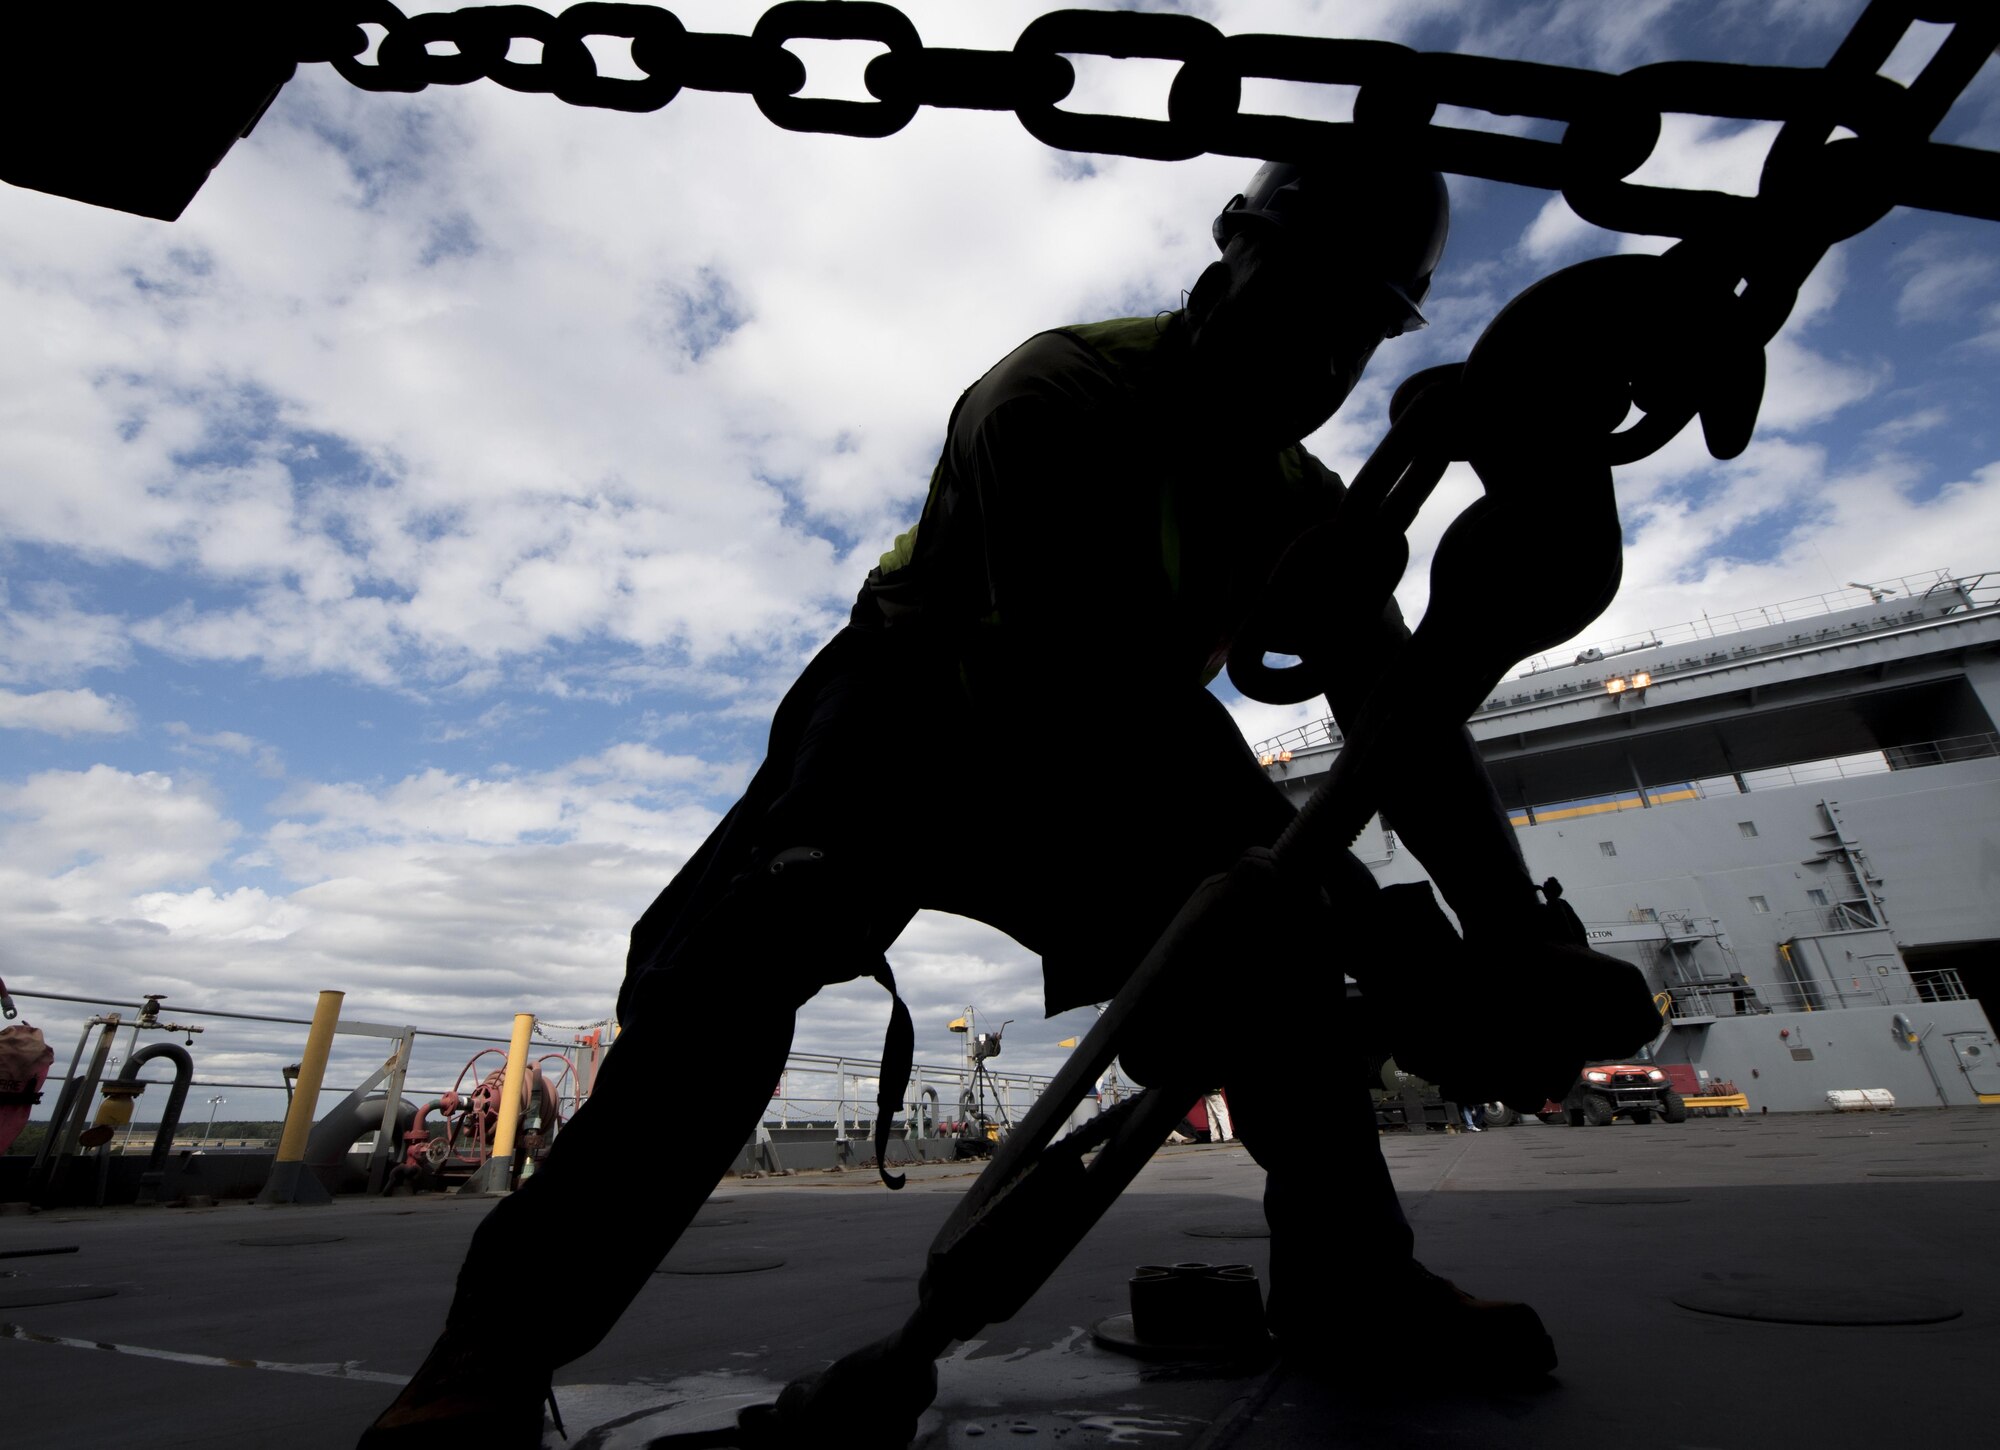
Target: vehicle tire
{"points": [[1672, 1108], [1555, 1117], [1642, 1115], [1499, 1115], [1597, 1110], [1575, 1115]]}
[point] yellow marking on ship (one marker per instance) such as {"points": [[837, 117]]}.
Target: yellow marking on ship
{"points": [[1600, 805]]}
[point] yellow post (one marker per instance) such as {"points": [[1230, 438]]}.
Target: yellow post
{"points": [[510, 1090], [312, 1072], [290, 1182]]}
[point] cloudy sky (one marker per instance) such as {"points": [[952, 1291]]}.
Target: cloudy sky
{"points": [[400, 555]]}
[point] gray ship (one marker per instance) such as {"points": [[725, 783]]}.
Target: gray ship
{"points": [[1789, 819]]}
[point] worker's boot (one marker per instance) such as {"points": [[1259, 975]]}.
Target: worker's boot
{"points": [[466, 1394], [876, 1393], [1492, 1341]]}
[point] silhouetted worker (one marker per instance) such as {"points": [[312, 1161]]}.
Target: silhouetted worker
{"points": [[1110, 500]]}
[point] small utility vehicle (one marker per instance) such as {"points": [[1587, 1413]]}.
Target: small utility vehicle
{"points": [[1617, 1090]]}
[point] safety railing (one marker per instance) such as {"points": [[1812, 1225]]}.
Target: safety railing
{"points": [[815, 1091], [1704, 1001], [1717, 998], [1938, 984], [258, 1054], [1823, 920], [838, 1093], [1914, 756], [1326, 731], [1924, 589]]}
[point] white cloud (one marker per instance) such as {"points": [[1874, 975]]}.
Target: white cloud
{"points": [[264, 758], [505, 407], [65, 712], [1945, 280], [46, 639], [79, 843]]}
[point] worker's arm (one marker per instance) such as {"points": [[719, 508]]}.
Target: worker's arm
{"points": [[1330, 602], [1437, 796]]}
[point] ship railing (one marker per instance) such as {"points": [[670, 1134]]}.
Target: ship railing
{"points": [[1908, 755], [1938, 984], [1911, 756], [1932, 587], [1929, 595], [1302, 737], [1824, 920], [1707, 1000]]}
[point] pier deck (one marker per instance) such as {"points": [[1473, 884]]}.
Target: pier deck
{"points": [[1612, 1233]]}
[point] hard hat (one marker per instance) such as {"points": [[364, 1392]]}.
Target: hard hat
{"points": [[1382, 220]]}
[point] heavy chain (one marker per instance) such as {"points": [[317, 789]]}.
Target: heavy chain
{"points": [[1611, 122], [1851, 145]]}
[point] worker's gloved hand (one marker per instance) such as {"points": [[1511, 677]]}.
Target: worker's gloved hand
{"points": [[1566, 1005], [1510, 1016]]}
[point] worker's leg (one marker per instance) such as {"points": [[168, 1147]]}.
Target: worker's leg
{"points": [[1306, 1118], [605, 1193], [731, 942], [1342, 1252]]}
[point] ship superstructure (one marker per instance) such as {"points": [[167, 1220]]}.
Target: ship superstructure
{"points": [[1788, 818]]}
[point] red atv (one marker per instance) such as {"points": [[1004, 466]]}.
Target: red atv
{"points": [[1617, 1090]]}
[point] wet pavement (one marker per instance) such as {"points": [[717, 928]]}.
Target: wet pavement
{"points": [[1831, 1280]]}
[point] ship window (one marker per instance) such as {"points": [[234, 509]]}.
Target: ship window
{"points": [[1748, 828], [1816, 896], [1758, 903], [1607, 848]]}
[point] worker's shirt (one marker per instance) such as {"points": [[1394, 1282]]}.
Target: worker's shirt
{"points": [[1087, 518]]}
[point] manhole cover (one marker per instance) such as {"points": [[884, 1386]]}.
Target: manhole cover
{"points": [[1823, 1305], [1921, 1173], [1552, 1172], [717, 1221], [1610, 1199], [51, 1294], [286, 1241], [733, 1264], [1228, 1231]]}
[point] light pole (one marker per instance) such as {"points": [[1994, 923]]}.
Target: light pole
{"points": [[213, 1104]]}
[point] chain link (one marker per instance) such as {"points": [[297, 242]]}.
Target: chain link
{"points": [[1611, 123], [1740, 259]]}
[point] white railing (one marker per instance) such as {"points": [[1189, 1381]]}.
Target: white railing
{"points": [[822, 1092], [1913, 588]]}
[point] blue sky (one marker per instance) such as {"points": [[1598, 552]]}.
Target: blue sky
{"points": [[401, 554]]}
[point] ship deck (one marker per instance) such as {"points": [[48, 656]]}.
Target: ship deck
{"points": [[1862, 1246]]}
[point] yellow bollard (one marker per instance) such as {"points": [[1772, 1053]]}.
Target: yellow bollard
{"points": [[312, 1071], [510, 1091], [290, 1182]]}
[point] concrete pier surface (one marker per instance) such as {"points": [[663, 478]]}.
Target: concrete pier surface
{"points": [[1821, 1280]]}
